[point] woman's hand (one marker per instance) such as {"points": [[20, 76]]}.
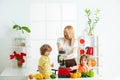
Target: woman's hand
{"points": [[65, 57], [60, 49]]}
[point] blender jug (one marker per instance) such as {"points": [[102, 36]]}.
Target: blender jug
{"points": [[61, 60]]}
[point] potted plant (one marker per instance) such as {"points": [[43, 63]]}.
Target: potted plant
{"points": [[19, 57], [23, 29], [20, 39], [93, 19]]}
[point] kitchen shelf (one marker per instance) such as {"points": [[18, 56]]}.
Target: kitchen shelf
{"points": [[83, 42]]}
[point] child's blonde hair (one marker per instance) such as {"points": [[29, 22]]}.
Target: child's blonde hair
{"points": [[71, 34], [45, 48]]}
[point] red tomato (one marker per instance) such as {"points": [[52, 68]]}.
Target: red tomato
{"points": [[82, 41], [82, 51]]}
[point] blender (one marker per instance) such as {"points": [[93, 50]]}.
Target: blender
{"points": [[63, 71]]}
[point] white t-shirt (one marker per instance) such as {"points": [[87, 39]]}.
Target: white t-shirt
{"points": [[65, 45]]}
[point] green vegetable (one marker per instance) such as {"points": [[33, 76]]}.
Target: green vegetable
{"points": [[84, 74], [53, 76], [90, 73]]}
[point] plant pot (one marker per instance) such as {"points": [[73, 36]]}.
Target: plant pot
{"points": [[89, 40], [19, 41], [90, 33], [19, 65]]}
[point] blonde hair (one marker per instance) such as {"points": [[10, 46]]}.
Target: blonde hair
{"points": [[45, 48], [71, 34]]}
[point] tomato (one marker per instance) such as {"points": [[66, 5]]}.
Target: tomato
{"points": [[82, 51], [82, 41]]}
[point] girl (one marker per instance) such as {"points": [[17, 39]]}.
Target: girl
{"points": [[83, 66]]}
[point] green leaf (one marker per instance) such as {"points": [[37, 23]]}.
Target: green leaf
{"points": [[97, 11], [92, 21], [88, 12], [26, 29], [17, 27]]}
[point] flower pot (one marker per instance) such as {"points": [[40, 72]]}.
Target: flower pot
{"points": [[20, 41], [19, 64], [90, 33], [89, 40]]}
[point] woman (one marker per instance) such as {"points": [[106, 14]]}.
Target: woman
{"points": [[67, 44]]}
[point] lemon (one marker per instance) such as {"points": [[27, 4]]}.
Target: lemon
{"points": [[38, 76], [47, 75]]}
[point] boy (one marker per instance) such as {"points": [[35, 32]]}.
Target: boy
{"points": [[44, 65]]}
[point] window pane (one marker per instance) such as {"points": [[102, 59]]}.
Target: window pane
{"points": [[38, 30], [37, 12], [35, 48], [53, 11], [54, 52], [53, 30], [69, 12]]}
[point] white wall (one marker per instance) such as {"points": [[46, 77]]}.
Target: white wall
{"points": [[107, 29], [10, 12]]}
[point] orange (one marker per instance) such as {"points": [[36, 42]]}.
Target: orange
{"points": [[30, 76], [93, 62], [73, 75]]}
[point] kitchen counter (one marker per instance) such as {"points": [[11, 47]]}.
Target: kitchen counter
{"points": [[22, 74], [12, 72]]}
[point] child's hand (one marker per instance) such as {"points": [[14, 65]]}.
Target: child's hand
{"points": [[52, 65], [71, 68], [74, 68]]}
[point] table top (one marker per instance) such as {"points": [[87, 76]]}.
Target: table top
{"points": [[15, 73]]}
